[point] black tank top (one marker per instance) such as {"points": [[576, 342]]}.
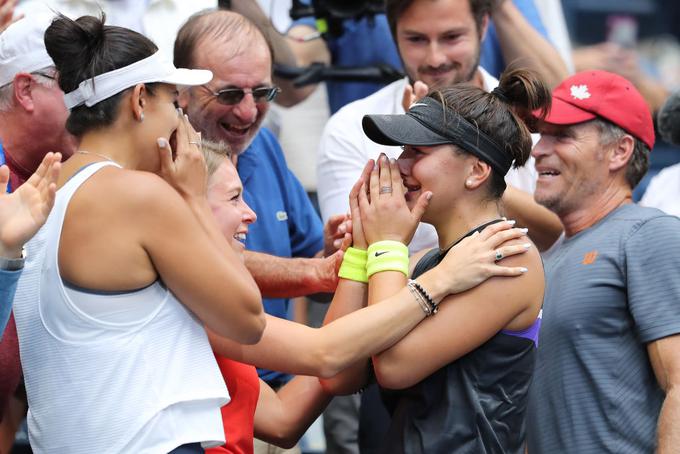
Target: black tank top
{"points": [[475, 404]]}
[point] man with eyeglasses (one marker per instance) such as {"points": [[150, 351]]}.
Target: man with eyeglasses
{"points": [[231, 108], [32, 120]]}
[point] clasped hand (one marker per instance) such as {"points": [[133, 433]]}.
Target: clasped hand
{"points": [[378, 206]]}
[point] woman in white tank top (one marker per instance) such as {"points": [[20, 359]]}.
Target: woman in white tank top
{"points": [[129, 268]]}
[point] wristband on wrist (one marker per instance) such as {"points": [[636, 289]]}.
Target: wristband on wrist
{"points": [[387, 256], [14, 264], [353, 265]]}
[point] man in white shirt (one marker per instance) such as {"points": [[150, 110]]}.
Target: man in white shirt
{"points": [[439, 44]]}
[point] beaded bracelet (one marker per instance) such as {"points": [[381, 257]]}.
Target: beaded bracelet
{"points": [[434, 307], [419, 298]]}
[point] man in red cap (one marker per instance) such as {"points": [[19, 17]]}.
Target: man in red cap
{"points": [[608, 363]]}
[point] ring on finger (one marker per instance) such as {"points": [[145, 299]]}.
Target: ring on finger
{"points": [[499, 255], [385, 190]]}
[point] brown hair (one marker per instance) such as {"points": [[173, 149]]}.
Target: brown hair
{"points": [[395, 8], [498, 115]]}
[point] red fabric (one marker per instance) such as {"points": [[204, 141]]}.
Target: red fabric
{"points": [[10, 367], [238, 416], [586, 94]]}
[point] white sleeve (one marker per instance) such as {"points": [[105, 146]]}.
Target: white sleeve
{"points": [[341, 157]]}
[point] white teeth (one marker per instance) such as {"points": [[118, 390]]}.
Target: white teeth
{"points": [[240, 236]]}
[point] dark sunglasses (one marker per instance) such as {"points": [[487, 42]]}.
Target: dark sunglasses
{"points": [[232, 96]]}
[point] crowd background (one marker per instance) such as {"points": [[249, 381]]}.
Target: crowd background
{"points": [[638, 39]]}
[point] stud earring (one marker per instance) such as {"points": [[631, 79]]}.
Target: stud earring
{"points": [[468, 184], [141, 117]]}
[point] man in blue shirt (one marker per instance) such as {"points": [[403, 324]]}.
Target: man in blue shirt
{"points": [[231, 108]]}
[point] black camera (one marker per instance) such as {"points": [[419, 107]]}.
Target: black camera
{"points": [[330, 14]]}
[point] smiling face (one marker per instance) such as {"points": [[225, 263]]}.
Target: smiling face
{"points": [[225, 197], [234, 65], [439, 42], [439, 169], [570, 162]]}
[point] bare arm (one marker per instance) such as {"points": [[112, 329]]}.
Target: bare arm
{"points": [[282, 277], [297, 349], [283, 417], [544, 226], [664, 355], [521, 44], [465, 321]]}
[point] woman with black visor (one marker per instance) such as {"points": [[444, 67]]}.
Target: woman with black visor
{"points": [[457, 382]]}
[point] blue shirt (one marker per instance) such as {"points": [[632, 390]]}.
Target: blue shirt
{"points": [[8, 285], [368, 42], [287, 224], [491, 58]]}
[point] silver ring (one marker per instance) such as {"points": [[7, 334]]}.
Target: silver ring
{"points": [[385, 190], [499, 255]]}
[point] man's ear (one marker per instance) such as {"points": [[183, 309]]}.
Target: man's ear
{"points": [[183, 98], [478, 173], [483, 28], [24, 83], [621, 152], [138, 101]]}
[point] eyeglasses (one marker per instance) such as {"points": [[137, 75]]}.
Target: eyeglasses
{"points": [[45, 75], [232, 96]]}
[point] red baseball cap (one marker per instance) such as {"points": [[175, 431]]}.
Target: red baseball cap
{"points": [[590, 94]]}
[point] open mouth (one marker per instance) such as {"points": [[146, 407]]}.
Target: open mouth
{"points": [[548, 173], [241, 237], [411, 190], [173, 144], [235, 130]]}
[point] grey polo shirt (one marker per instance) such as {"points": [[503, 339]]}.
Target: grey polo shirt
{"points": [[610, 291]]}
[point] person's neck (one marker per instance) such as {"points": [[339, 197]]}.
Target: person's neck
{"points": [[23, 152], [110, 144], [465, 217], [478, 79], [592, 210]]}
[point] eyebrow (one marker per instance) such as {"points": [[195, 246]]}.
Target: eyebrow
{"points": [[455, 31]]}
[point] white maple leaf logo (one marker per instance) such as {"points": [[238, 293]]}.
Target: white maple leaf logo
{"points": [[580, 92]]}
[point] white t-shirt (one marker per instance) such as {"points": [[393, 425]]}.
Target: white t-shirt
{"points": [[344, 150], [663, 190]]}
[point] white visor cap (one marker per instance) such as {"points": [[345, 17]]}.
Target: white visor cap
{"points": [[155, 68]]}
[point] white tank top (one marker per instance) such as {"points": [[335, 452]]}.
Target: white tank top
{"points": [[132, 385]]}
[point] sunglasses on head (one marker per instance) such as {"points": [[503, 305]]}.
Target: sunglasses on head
{"points": [[231, 96]]}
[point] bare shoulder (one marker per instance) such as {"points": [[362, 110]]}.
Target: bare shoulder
{"points": [[525, 291], [131, 191]]}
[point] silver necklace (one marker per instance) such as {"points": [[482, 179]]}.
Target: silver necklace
{"points": [[99, 155]]}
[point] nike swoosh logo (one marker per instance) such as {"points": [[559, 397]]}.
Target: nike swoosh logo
{"points": [[378, 254]]}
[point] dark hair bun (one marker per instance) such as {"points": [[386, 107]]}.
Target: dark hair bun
{"points": [[525, 90], [84, 48], [75, 47]]}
